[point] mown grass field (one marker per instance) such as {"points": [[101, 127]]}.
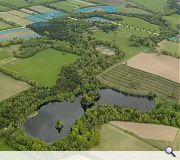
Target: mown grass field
{"points": [[121, 38], [43, 67], [10, 87], [136, 81], [114, 139], [4, 146], [153, 5]]}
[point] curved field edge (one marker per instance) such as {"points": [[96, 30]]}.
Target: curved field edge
{"points": [[134, 81], [114, 139]]}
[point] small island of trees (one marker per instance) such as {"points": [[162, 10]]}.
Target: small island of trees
{"points": [[59, 125]]}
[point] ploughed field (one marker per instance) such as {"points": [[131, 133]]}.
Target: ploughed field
{"points": [[135, 81], [130, 136], [10, 87], [161, 65]]}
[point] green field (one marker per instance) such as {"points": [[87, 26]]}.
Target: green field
{"points": [[176, 144], [172, 47], [135, 81], [4, 146], [4, 8], [64, 6], [114, 139], [153, 5], [43, 67], [173, 19], [122, 8], [121, 38], [17, 3], [6, 52], [10, 87], [132, 21]]}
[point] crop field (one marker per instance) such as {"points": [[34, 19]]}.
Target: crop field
{"points": [[27, 11], [4, 146], [114, 139], [17, 33], [70, 5], [43, 67], [10, 87], [148, 131], [6, 52], [13, 18], [18, 13], [172, 47], [40, 9], [161, 65], [121, 38], [153, 5], [4, 25], [135, 81]]}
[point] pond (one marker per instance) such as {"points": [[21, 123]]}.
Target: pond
{"points": [[42, 126], [95, 8]]}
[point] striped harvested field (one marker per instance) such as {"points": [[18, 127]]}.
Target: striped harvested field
{"points": [[135, 81]]}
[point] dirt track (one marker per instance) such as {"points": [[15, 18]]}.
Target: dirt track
{"points": [[164, 66]]}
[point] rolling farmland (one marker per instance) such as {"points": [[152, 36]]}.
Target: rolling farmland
{"points": [[115, 139], [136, 81], [43, 67]]}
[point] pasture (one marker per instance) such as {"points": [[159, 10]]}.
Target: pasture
{"points": [[114, 139], [43, 67], [121, 38], [152, 5], [10, 87], [13, 18], [172, 47], [148, 131], [136, 81], [161, 65], [122, 8]]}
